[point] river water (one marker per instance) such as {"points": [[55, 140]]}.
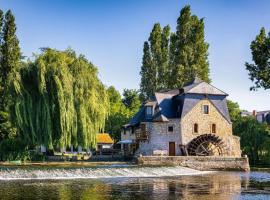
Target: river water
{"points": [[129, 182]]}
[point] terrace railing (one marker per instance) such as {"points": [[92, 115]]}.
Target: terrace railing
{"points": [[141, 135]]}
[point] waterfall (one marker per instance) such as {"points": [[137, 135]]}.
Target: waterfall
{"points": [[15, 173]]}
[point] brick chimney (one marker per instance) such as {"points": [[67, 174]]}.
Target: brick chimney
{"points": [[254, 113]]}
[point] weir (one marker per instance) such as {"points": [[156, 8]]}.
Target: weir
{"points": [[202, 163], [28, 173]]}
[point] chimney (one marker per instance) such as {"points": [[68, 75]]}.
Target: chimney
{"points": [[254, 113]]}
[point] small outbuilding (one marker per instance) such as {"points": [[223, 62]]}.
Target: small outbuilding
{"points": [[104, 141]]}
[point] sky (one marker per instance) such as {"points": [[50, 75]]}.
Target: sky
{"points": [[110, 33]]}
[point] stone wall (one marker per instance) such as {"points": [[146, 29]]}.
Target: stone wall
{"points": [[199, 163], [160, 137], [127, 134], [205, 121]]}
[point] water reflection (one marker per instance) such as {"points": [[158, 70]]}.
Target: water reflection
{"points": [[214, 186], [222, 185]]}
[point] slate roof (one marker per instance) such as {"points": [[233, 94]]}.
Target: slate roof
{"points": [[167, 104], [198, 86], [160, 118]]}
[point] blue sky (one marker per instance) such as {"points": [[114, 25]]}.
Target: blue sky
{"points": [[111, 35]]}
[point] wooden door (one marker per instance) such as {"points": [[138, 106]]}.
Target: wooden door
{"points": [[171, 148]]}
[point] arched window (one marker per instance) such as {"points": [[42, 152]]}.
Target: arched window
{"points": [[196, 127], [214, 128]]}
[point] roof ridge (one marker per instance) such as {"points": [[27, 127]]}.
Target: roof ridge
{"points": [[196, 85]]}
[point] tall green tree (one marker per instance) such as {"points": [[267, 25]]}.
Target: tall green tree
{"points": [[148, 74], [154, 70], [163, 68], [118, 115], [172, 59], [131, 100], [58, 101], [10, 56], [189, 50], [1, 37], [1, 56], [121, 110], [9, 61], [259, 71]]}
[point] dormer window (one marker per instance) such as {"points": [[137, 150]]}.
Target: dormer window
{"points": [[149, 111]]}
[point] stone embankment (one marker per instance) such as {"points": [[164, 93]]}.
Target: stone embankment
{"points": [[197, 162]]}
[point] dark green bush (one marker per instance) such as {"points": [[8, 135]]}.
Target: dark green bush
{"points": [[16, 149]]}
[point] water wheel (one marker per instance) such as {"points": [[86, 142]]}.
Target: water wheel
{"points": [[206, 145]]}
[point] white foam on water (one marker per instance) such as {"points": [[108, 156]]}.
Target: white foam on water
{"points": [[95, 173]]}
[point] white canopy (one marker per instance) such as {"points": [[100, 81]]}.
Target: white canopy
{"points": [[125, 142]]}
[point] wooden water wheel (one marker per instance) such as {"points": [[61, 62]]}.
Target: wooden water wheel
{"points": [[206, 145]]}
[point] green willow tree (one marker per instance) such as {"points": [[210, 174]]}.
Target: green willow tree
{"points": [[58, 101], [259, 72]]}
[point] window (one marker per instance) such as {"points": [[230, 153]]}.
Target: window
{"points": [[170, 128], [149, 110], [214, 128], [196, 127], [206, 109], [143, 127]]}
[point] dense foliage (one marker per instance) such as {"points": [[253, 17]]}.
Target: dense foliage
{"points": [[234, 110], [254, 136], [121, 110], [255, 139], [189, 53], [259, 71], [57, 100], [172, 59]]}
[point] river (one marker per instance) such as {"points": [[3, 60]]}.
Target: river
{"points": [[129, 182]]}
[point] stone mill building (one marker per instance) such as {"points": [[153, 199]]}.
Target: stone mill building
{"points": [[190, 121]]}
